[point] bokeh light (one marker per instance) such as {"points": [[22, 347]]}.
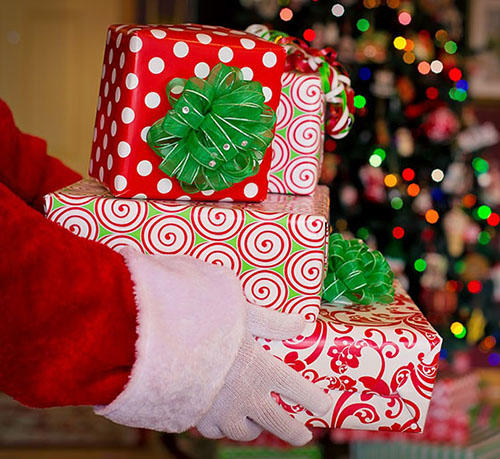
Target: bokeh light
{"points": [[375, 160], [441, 35], [398, 232], [455, 74], [390, 180], [469, 200], [408, 174], [309, 34], [458, 330], [397, 203], [437, 175], [404, 18], [399, 42], [420, 265], [359, 101], [363, 25], [413, 190], [480, 165], [450, 47], [432, 216], [432, 93], [408, 58], [437, 66], [483, 212], [365, 73], [493, 219], [286, 14], [484, 238], [338, 10], [474, 286], [424, 67]]}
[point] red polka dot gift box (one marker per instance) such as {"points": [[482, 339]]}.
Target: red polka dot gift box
{"points": [[139, 63], [277, 247]]}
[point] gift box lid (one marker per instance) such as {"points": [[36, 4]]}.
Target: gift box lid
{"points": [[377, 362]]}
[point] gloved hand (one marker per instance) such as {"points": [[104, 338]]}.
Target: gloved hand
{"points": [[197, 361], [244, 406]]}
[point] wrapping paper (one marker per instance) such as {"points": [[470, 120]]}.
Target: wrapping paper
{"points": [[483, 444], [448, 419], [139, 61], [377, 362], [277, 248], [298, 143]]}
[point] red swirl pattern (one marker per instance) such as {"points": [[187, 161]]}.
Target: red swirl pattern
{"points": [[78, 220], [306, 93], [309, 231], [118, 241], [304, 134], [266, 216], [276, 185], [121, 215], [218, 253], [169, 207], [167, 235], [217, 224], [281, 153], [264, 287], [305, 305], [264, 244], [287, 78], [74, 199], [304, 271], [301, 175], [284, 114]]}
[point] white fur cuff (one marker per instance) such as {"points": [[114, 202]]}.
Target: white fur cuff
{"points": [[191, 319]]}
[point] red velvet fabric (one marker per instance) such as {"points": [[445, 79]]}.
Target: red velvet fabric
{"points": [[68, 314]]}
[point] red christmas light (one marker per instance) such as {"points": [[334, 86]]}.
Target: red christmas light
{"points": [[493, 219], [474, 286], [408, 174], [427, 235], [398, 232], [432, 93], [455, 74], [310, 35]]}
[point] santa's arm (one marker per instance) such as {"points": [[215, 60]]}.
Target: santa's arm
{"points": [[25, 167], [67, 332]]}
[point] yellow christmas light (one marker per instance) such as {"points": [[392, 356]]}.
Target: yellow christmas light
{"points": [[390, 180], [399, 42]]}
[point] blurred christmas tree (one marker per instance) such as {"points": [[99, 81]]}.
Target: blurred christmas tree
{"points": [[411, 179]]}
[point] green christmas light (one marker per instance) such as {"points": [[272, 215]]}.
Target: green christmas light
{"points": [[363, 233], [483, 212], [461, 334], [359, 101], [396, 203], [380, 152], [480, 165], [375, 160], [420, 265], [457, 94], [363, 25], [450, 47], [484, 237]]}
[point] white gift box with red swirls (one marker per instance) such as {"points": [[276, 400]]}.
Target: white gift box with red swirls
{"points": [[277, 248], [377, 362]]}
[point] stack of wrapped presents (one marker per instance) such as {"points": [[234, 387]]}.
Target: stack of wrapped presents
{"points": [[208, 142]]}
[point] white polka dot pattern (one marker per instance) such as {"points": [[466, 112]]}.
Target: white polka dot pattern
{"points": [[138, 62]]}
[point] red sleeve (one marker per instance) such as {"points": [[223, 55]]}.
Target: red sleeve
{"points": [[68, 315], [25, 167]]}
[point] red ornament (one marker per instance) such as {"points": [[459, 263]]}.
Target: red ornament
{"points": [[441, 125]]}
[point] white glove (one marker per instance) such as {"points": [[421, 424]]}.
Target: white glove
{"points": [[244, 406]]}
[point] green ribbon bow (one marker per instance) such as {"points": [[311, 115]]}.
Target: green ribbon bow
{"points": [[217, 131], [357, 273]]}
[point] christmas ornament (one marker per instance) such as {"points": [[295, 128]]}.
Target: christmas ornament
{"points": [[383, 85], [441, 125], [361, 275], [434, 276], [217, 131], [455, 223], [458, 179], [404, 143], [478, 137], [372, 179], [475, 326]]}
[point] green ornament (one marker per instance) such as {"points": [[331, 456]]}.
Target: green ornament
{"points": [[357, 273], [217, 131]]}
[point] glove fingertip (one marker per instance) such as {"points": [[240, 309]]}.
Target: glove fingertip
{"points": [[301, 438]]}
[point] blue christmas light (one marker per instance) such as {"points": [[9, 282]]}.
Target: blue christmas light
{"points": [[365, 73], [437, 194], [444, 353], [494, 359], [462, 84]]}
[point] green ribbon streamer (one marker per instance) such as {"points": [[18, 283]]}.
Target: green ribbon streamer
{"points": [[357, 273], [217, 131]]}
